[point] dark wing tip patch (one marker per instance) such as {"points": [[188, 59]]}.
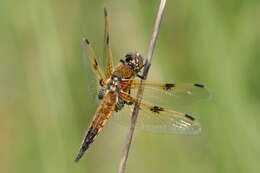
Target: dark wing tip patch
{"points": [[199, 85], [189, 117], [105, 11]]}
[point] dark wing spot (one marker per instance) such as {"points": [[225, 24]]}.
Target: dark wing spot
{"points": [[86, 40], [156, 109], [199, 85], [168, 86], [189, 117], [96, 64]]}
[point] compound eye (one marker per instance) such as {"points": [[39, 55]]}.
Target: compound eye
{"points": [[128, 57]]}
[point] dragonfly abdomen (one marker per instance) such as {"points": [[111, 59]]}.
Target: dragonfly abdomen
{"points": [[103, 112]]}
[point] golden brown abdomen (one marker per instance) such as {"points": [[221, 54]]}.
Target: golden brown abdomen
{"points": [[103, 112]]}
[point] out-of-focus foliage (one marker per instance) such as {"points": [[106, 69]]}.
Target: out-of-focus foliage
{"points": [[45, 99]]}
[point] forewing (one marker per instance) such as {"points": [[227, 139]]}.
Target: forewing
{"points": [[89, 52], [192, 90], [107, 48], [181, 96]]}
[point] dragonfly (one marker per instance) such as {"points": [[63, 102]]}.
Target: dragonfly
{"points": [[117, 85]]}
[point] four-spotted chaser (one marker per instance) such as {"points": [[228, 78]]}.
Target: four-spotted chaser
{"points": [[117, 85]]}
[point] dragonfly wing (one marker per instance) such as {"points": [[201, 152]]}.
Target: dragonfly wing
{"points": [[178, 90], [181, 96], [107, 48], [90, 53], [157, 118]]}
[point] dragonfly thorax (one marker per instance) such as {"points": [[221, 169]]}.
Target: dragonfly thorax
{"points": [[114, 84], [110, 85]]}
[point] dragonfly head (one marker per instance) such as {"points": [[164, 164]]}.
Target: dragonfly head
{"points": [[135, 61]]}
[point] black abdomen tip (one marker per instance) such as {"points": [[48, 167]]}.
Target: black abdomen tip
{"points": [[81, 153], [78, 157]]}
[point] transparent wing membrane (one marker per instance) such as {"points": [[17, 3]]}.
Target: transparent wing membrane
{"points": [[157, 118], [89, 52], [181, 96], [107, 49], [191, 90]]}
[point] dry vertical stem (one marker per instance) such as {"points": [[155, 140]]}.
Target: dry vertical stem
{"points": [[129, 137]]}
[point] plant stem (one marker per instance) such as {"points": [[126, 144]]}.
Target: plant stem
{"points": [[140, 92]]}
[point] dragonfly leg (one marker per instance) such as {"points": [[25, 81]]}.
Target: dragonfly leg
{"points": [[101, 93], [119, 105], [140, 76]]}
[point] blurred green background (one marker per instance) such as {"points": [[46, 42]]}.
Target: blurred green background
{"points": [[45, 98]]}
